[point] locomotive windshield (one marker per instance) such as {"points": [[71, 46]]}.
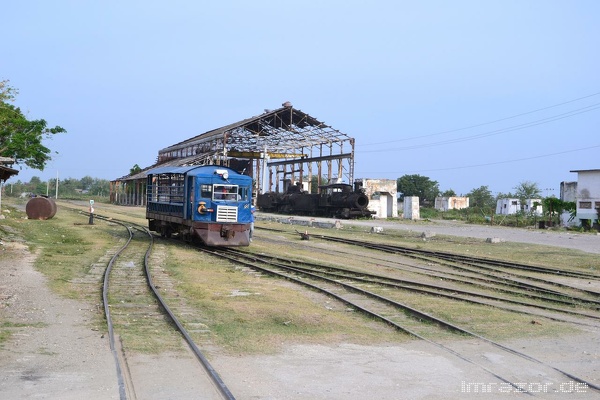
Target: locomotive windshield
{"points": [[225, 192]]}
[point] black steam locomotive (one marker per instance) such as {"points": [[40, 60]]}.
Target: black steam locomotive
{"points": [[338, 200]]}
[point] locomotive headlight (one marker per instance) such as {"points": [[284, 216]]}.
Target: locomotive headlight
{"points": [[223, 173]]}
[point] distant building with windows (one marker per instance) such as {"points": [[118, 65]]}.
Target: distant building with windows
{"points": [[587, 196], [508, 206], [451, 203], [533, 206]]}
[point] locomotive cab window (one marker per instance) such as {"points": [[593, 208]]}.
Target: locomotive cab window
{"points": [[225, 192], [206, 191], [243, 194]]}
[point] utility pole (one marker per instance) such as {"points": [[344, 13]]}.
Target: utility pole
{"points": [[56, 196]]}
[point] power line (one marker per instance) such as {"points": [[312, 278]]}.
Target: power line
{"points": [[508, 161], [484, 123], [494, 132]]}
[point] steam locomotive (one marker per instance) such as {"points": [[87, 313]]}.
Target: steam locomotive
{"points": [[338, 200], [208, 203]]}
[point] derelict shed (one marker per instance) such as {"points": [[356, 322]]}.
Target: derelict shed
{"points": [[6, 170], [277, 148]]}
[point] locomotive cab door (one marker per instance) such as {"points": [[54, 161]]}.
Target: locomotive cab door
{"points": [[191, 197]]}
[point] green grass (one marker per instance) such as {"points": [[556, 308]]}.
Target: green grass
{"points": [[66, 247], [8, 328], [252, 313], [552, 257]]}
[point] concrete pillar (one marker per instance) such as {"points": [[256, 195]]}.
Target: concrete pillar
{"points": [[411, 208]]}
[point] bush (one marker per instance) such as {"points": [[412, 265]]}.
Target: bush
{"points": [[429, 213]]}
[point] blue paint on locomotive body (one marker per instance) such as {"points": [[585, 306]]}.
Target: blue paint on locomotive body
{"points": [[196, 199]]}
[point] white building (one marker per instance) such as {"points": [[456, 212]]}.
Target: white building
{"points": [[533, 206], [451, 203], [588, 195], [568, 191], [508, 206], [382, 195]]}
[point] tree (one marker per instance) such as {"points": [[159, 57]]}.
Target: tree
{"points": [[417, 185], [501, 195], [449, 193], [553, 208], [20, 138], [314, 183], [36, 185], [135, 169], [482, 198], [527, 190], [100, 187], [7, 93], [68, 188], [86, 182]]}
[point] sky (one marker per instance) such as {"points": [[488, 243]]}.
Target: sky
{"points": [[468, 93]]}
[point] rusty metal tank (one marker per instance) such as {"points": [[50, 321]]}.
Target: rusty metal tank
{"points": [[40, 208]]}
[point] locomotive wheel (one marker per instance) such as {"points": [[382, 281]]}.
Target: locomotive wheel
{"points": [[165, 232]]}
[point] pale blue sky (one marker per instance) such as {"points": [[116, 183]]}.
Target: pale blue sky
{"points": [[468, 93]]}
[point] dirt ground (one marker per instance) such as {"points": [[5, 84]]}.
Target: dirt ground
{"points": [[62, 358]]}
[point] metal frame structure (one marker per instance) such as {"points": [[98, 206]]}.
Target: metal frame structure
{"points": [[277, 148]]}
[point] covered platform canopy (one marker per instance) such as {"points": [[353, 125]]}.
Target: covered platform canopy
{"points": [[276, 148], [6, 170]]}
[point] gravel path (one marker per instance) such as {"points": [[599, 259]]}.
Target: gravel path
{"points": [[59, 356]]}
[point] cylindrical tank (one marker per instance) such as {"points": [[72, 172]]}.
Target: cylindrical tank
{"points": [[40, 208]]}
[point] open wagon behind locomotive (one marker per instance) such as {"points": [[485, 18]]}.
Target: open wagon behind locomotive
{"points": [[210, 203], [338, 200]]}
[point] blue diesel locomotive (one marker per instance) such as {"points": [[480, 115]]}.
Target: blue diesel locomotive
{"points": [[209, 203]]}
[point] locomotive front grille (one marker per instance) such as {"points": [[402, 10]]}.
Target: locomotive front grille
{"points": [[227, 214]]}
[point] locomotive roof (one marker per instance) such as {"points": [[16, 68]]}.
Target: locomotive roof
{"points": [[209, 169]]}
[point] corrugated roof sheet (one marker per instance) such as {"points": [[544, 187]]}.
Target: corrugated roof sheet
{"points": [[285, 130]]}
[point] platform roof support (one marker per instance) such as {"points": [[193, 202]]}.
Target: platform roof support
{"points": [[286, 138]]}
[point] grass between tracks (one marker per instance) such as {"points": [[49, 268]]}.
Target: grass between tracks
{"points": [[551, 257], [484, 320], [251, 313], [254, 313], [66, 245]]}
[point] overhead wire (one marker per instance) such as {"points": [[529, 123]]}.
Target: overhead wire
{"points": [[545, 120], [507, 161], [486, 123], [541, 121]]}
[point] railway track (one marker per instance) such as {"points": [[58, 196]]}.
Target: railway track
{"points": [[363, 292], [132, 303], [350, 290], [483, 273], [476, 297]]}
